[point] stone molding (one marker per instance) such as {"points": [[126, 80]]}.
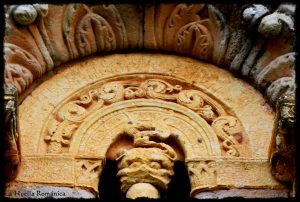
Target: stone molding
{"points": [[65, 171], [40, 37]]}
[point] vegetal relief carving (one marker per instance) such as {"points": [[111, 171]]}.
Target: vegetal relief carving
{"points": [[41, 36], [20, 75], [230, 131], [60, 130], [68, 117], [99, 112], [88, 172], [202, 173], [183, 29]]}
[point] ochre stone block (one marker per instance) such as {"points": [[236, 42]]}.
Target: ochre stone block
{"points": [[90, 103]]}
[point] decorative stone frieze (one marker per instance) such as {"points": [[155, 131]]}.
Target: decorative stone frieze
{"points": [[73, 113], [241, 38]]}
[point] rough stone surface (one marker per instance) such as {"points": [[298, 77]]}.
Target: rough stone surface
{"points": [[238, 36], [271, 25], [254, 13], [25, 14]]}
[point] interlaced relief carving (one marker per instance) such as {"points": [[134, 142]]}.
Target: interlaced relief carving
{"points": [[149, 161], [71, 115], [230, 132], [88, 172], [80, 96], [202, 173]]}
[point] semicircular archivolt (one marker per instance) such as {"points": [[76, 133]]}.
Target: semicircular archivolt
{"points": [[60, 130], [235, 37], [216, 92], [65, 97], [103, 127]]}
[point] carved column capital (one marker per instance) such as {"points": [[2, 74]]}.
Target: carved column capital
{"points": [[148, 166]]}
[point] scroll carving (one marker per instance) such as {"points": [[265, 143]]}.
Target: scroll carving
{"points": [[283, 151], [11, 156], [71, 114], [194, 100], [230, 132]]}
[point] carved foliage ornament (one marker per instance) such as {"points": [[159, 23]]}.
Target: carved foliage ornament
{"points": [[184, 30], [229, 130], [70, 115], [53, 34], [203, 174], [88, 172]]}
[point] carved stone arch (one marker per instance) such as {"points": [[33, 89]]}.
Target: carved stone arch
{"points": [[83, 110], [40, 38]]}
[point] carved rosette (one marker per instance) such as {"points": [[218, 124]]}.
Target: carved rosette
{"points": [[203, 174]]}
